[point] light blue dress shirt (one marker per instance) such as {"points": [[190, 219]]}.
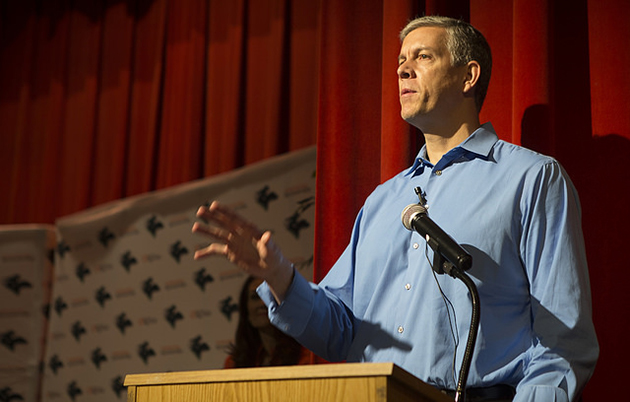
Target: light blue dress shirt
{"points": [[517, 213]]}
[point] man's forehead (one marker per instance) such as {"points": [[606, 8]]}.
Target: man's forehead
{"points": [[428, 33], [431, 38]]}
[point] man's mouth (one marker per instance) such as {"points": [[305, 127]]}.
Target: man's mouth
{"points": [[406, 91]]}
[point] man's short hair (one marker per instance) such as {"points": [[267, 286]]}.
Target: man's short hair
{"points": [[465, 43]]}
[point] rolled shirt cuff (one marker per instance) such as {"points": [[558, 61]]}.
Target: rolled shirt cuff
{"points": [[292, 315]]}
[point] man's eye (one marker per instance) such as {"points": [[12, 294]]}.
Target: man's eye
{"points": [[423, 56]]}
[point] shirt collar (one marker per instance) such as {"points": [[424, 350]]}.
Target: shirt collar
{"points": [[479, 143]]}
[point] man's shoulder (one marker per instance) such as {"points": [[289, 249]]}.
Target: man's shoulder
{"points": [[523, 165], [517, 155]]}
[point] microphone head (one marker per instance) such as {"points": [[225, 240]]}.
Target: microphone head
{"points": [[409, 213]]}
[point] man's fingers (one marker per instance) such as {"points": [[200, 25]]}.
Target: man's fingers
{"points": [[264, 244], [228, 244], [229, 220], [212, 249], [211, 231]]}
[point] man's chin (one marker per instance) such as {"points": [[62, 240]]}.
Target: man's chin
{"points": [[413, 119], [408, 117]]}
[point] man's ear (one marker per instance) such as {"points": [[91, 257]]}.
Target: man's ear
{"points": [[473, 71]]}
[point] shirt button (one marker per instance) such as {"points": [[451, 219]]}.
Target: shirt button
{"points": [[416, 245], [400, 329], [408, 286], [438, 173]]}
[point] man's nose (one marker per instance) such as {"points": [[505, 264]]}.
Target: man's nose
{"points": [[404, 71]]}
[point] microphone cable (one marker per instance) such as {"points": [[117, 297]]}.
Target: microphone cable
{"points": [[452, 320]]}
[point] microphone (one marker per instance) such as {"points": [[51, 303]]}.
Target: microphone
{"points": [[414, 217]]}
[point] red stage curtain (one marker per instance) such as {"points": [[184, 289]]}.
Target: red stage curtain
{"points": [[106, 99]]}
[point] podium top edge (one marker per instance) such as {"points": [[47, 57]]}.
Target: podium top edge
{"points": [[266, 373]]}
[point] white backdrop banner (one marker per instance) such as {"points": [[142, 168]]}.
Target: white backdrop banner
{"points": [[128, 296], [25, 275]]}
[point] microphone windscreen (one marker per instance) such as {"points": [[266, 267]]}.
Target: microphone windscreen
{"points": [[409, 213]]}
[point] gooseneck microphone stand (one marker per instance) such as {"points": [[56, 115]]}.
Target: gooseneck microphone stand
{"points": [[441, 266], [454, 267], [460, 392]]}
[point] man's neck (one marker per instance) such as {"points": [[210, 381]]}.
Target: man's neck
{"points": [[439, 142]]}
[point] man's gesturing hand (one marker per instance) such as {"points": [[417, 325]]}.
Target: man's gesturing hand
{"points": [[245, 245]]}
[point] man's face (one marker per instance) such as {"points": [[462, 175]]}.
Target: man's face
{"points": [[430, 88]]}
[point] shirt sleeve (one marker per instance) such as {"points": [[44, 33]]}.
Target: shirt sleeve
{"points": [[314, 316], [564, 349]]}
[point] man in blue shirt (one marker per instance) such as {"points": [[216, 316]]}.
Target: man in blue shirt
{"points": [[515, 211]]}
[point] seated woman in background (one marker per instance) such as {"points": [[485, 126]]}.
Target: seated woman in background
{"points": [[258, 343]]}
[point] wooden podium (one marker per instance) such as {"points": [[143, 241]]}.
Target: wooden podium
{"points": [[361, 382]]}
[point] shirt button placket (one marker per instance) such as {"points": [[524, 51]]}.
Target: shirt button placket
{"points": [[415, 245]]}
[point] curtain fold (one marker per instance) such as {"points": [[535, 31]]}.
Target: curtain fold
{"points": [[107, 99], [112, 115], [18, 45], [145, 96], [265, 98], [498, 26], [225, 117], [399, 141], [348, 159], [181, 120]]}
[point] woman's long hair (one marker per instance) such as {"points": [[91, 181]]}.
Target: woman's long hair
{"points": [[247, 350]]}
